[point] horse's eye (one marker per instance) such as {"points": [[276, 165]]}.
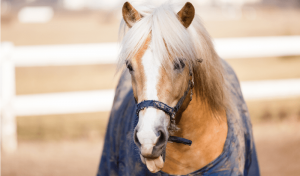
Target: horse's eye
{"points": [[129, 66], [179, 65]]}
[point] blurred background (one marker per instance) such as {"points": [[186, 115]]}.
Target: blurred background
{"points": [[58, 74]]}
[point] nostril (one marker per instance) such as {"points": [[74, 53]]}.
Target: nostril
{"points": [[135, 138], [161, 138]]}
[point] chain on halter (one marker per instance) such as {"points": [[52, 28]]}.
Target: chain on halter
{"points": [[171, 111]]}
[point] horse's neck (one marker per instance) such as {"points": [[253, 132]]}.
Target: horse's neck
{"points": [[208, 134]]}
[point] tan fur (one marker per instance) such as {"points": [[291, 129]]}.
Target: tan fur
{"points": [[138, 77], [170, 88], [207, 133], [207, 130]]}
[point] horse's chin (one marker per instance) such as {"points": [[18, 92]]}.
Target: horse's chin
{"points": [[153, 164]]}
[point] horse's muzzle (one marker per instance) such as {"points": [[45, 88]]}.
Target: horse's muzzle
{"points": [[150, 148]]}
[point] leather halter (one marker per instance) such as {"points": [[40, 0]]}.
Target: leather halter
{"points": [[171, 111]]}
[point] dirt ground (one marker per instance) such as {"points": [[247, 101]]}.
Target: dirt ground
{"points": [[277, 148], [76, 158]]}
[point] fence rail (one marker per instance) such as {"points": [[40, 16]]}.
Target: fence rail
{"points": [[64, 103], [107, 53], [89, 101], [102, 100]]}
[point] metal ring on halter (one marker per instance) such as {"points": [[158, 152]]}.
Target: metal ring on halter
{"points": [[171, 111]]}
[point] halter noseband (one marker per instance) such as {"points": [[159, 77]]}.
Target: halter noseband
{"points": [[171, 111]]}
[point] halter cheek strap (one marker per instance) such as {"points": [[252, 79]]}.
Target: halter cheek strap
{"points": [[171, 111]]}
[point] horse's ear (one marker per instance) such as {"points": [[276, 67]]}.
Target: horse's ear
{"points": [[130, 15], [186, 14]]}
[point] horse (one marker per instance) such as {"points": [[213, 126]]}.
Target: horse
{"points": [[178, 107]]}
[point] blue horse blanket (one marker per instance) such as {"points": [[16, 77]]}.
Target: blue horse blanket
{"points": [[120, 155]]}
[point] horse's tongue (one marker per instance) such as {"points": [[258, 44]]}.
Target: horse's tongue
{"points": [[154, 165]]}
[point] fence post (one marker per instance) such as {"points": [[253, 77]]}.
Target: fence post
{"points": [[7, 86]]}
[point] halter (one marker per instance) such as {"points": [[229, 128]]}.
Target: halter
{"points": [[171, 111]]}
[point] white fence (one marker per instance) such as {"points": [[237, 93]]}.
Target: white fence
{"points": [[91, 101], [106, 53]]}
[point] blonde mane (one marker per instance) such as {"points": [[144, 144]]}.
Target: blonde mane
{"points": [[170, 39]]}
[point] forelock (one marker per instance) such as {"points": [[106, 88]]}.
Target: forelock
{"points": [[169, 38]]}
